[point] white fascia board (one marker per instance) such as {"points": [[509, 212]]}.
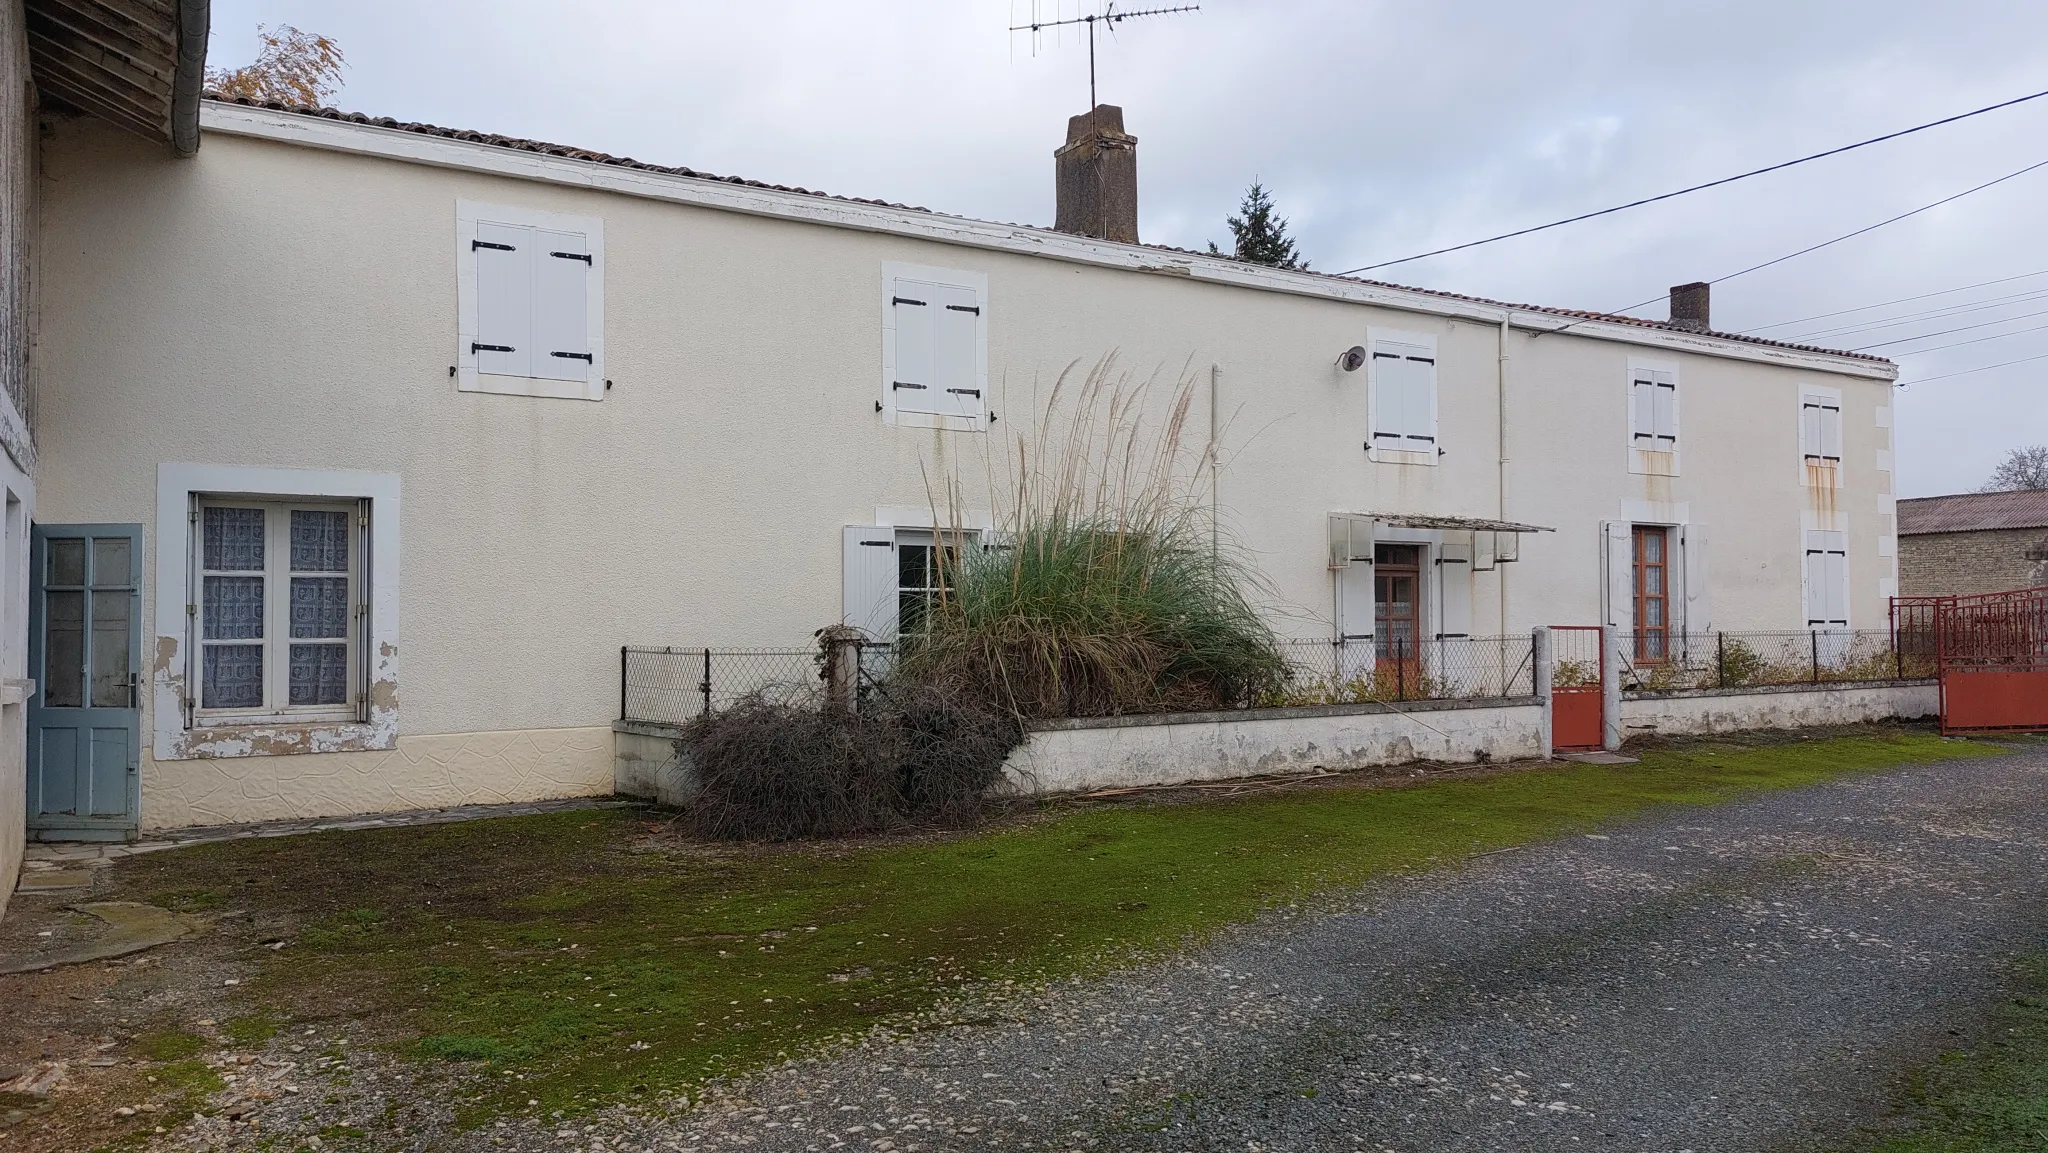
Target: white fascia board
{"points": [[443, 152]]}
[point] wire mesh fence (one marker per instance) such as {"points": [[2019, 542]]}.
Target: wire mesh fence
{"points": [[673, 686], [1665, 662], [1357, 672]]}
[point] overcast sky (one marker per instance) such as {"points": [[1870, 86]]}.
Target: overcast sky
{"points": [[1383, 129]]}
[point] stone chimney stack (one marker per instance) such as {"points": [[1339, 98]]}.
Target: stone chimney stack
{"points": [[1689, 307], [1097, 177]]}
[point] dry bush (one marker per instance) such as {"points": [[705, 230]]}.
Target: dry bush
{"points": [[770, 770]]}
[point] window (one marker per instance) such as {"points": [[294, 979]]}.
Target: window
{"points": [[1653, 409], [1820, 435], [1397, 600], [1827, 579], [1404, 396], [922, 562], [1652, 592], [893, 577], [934, 347], [278, 608], [531, 287]]}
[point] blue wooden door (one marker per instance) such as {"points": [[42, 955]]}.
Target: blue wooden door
{"points": [[85, 642]]}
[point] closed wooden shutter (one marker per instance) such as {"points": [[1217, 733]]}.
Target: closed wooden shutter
{"points": [[868, 580], [1820, 428], [1827, 579], [504, 299], [562, 268], [956, 319], [1664, 411], [1404, 397], [916, 385]]}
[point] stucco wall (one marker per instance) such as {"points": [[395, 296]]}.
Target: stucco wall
{"points": [[17, 412], [1786, 707], [1960, 563], [423, 772], [265, 304]]}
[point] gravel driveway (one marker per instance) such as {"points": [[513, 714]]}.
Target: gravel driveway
{"points": [[1753, 976]]}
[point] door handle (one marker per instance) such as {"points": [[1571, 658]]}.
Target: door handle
{"points": [[134, 690]]}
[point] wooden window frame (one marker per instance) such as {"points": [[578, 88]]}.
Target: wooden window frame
{"points": [[1639, 569], [277, 640]]}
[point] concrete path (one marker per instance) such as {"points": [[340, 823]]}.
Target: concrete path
{"points": [[1748, 977]]}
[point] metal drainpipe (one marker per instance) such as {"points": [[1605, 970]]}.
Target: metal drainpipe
{"points": [[1215, 481], [1501, 476]]}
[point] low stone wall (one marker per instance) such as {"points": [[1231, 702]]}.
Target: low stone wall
{"points": [[1776, 707], [1113, 752], [645, 765]]}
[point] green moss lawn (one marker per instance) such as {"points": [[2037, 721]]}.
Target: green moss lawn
{"points": [[582, 958]]}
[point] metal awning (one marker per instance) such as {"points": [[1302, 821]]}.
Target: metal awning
{"points": [[1462, 523]]}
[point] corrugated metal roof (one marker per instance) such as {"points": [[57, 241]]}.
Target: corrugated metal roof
{"points": [[1974, 512]]}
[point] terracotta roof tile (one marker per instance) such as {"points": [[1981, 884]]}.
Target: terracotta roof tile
{"points": [[584, 154], [1974, 512]]}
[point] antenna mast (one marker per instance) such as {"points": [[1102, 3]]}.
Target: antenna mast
{"points": [[1109, 17]]}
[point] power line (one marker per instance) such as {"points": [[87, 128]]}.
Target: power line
{"points": [[1889, 303], [1826, 243], [1968, 371], [1700, 187], [1947, 331], [1944, 313], [1979, 339]]}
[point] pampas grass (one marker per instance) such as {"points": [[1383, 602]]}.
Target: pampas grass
{"points": [[1105, 588]]}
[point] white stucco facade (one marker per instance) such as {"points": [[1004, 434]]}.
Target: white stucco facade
{"points": [[286, 301]]}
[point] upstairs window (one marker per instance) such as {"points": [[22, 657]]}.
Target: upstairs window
{"points": [[934, 347], [1820, 429], [1653, 409], [1404, 396], [531, 288]]}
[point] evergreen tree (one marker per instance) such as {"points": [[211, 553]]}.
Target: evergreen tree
{"points": [[1261, 236]]}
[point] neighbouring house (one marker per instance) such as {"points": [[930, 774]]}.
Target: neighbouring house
{"points": [[1973, 542], [391, 435]]}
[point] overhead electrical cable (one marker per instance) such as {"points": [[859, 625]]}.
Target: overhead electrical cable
{"points": [[1977, 339], [1925, 317], [1968, 371], [1823, 244], [1700, 187], [1947, 331], [1889, 303]]}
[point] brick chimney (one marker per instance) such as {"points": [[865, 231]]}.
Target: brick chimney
{"points": [[1689, 307], [1097, 177]]}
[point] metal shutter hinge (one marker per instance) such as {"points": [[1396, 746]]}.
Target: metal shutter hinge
{"points": [[475, 347], [582, 356], [585, 257], [476, 244]]}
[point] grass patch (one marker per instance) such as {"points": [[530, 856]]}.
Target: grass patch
{"points": [[576, 969], [169, 1045], [1992, 1097]]}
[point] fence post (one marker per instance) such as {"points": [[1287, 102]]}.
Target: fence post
{"points": [[840, 658], [1610, 687], [622, 682], [1400, 672], [704, 686], [1540, 666], [1815, 634], [1721, 659]]}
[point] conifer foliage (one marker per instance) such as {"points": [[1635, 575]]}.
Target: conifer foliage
{"points": [[1261, 236]]}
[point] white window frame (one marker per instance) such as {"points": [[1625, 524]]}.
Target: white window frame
{"points": [[1816, 470], [1653, 455], [277, 640], [1375, 337], [468, 378], [177, 734], [975, 282]]}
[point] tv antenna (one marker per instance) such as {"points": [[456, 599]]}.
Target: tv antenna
{"points": [[1109, 17]]}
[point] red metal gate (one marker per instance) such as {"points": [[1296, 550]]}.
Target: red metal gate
{"points": [[1991, 653], [1578, 665]]}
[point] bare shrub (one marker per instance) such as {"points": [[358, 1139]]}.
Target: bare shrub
{"points": [[769, 770]]}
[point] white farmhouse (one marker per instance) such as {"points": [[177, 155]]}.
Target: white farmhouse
{"points": [[360, 448]]}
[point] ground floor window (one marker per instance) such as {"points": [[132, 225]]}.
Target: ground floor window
{"points": [[924, 563], [278, 608], [1397, 600], [1652, 592]]}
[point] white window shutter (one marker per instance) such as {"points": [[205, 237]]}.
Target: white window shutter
{"points": [[1664, 411], [956, 316], [1454, 591], [504, 299], [562, 268], [1422, 403], [1621, 574], [1831, 432], [868, 580], [1692, 551], [1642, 411], [1404, 397], [1827, 579], [1388, 398], [1356, 654], [916, 386]]}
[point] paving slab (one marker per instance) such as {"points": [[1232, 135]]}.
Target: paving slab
{"points": [[131, 927]]}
